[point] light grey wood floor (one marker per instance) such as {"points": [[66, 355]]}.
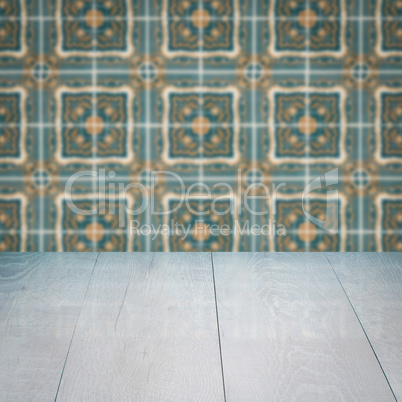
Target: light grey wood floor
{"points": [[201, 327]]}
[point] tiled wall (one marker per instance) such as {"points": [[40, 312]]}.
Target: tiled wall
{"points": [[277, 92]]}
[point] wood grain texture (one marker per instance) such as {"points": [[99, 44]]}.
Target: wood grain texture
{"points": [[147, 332], [289, 333], [41, 295], [373, 283]]}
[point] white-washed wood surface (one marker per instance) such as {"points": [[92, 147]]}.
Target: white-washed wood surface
{"points": [[40, 299], [147, 332], [144, 327], [373, 283], [288, 332]]}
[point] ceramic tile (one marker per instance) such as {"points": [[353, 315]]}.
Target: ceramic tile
{"points": [[279, 93]]}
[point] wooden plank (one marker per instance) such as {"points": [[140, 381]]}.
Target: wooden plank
{"points": [[289, 333], [373, 283], [40, 299], [147, 332]]}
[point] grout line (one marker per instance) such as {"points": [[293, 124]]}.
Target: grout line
{"points": [[200, 242], [94, 125], [246, 231], [57, 18], [219, 333], [360, 133], [361, 325], [230, 231], [230, 177], [189, 125], [41, 128], [147, 113], [75, 327], [212, 72], [307, 114], [254, 102]]}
